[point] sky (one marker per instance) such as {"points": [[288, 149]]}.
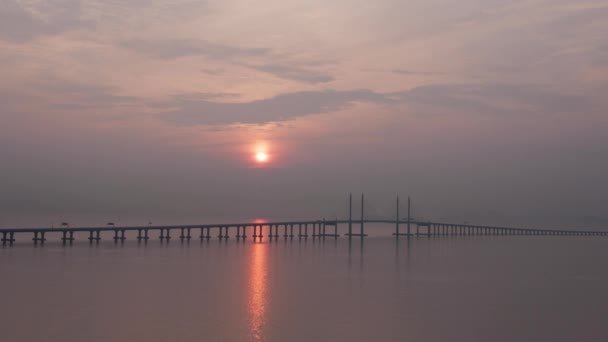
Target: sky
{"points": [[485, 111]]}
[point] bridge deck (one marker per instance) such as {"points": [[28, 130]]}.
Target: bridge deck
{"points": [[421, 224]]}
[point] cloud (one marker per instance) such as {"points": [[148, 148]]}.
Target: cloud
{"points": [[21, 24], [495, 98], [417, 73], [279, 108], [295, 73], [63, 95], [600, 56], [484, 99], [176, 48]]}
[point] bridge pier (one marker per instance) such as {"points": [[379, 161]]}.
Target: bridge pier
{"points": [[36, 238], [120, 237], [10, 239], [323, 230], [291, 231], [65, 237], [91, 232]]}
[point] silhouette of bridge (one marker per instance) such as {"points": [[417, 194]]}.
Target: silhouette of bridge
{"points": [[289, 229]]}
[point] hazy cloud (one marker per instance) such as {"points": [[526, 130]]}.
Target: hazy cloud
{"points": [[279, 108], [417, 73], [488, 99], [496, 99], [295, 73], [19, 23], [175, 48]]}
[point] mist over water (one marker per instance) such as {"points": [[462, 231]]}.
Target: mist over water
{"points": [[468, 288]]}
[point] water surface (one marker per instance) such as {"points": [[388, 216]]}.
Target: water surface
{"points": [[512, 288]]}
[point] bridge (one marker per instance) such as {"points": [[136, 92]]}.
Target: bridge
{"points": [[321, 228]]}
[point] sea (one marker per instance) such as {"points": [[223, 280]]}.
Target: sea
{"points": [[446, 288]]}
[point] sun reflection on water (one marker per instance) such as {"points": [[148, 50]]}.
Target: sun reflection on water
{"points": [[258, 288]]}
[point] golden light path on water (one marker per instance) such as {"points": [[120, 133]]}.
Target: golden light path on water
{"points": [[258, 295]]}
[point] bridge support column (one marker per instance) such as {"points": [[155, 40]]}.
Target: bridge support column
{"points": [[8, 237], [37, 239], [291, 231], [65, 237], [350, 216], [362, 217]]}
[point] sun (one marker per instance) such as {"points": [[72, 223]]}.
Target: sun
{"points": [[261, 157]]}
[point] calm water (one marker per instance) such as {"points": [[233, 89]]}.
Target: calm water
{"points": [[440, 289]]}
